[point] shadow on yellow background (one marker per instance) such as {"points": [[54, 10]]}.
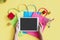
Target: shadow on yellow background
{"points": [[52, 33]]}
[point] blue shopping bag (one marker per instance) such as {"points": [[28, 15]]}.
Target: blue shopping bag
{"points": [[30, 13]]}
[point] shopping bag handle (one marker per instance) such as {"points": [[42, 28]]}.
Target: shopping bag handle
{"points": [[32, 6], [13, 9], [22, 5], [44, 10]]}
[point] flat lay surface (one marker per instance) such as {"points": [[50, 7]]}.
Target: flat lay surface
{"points": [[7, 30]]}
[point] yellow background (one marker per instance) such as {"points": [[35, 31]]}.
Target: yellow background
{"points": [[52, 33]]}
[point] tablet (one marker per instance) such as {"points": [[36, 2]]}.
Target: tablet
{"points": [[28, 24]]}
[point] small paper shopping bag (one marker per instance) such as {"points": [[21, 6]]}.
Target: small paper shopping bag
{"points": [[42, 20], [30, 13], [13, 15]]}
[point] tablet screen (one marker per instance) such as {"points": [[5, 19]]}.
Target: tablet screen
{"points": [[28, 24]]}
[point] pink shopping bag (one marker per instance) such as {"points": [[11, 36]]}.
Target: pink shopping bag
{"points": [[42, 20]]}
